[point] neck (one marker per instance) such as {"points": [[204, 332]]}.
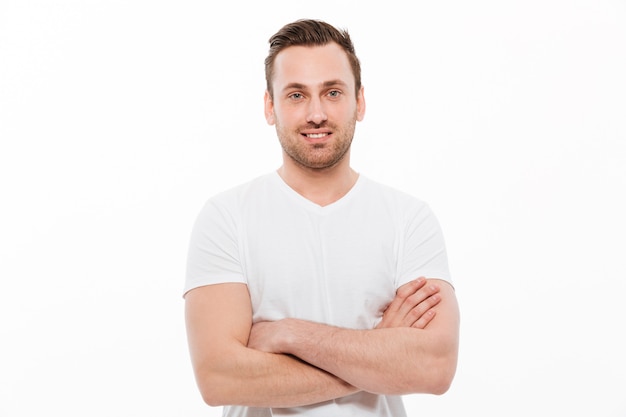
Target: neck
{"points": [[321, 186]]}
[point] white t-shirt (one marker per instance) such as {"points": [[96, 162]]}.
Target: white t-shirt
{"points": [[339, 264]]}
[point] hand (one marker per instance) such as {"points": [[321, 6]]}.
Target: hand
{"points": [[412, 306], [263, 336]]}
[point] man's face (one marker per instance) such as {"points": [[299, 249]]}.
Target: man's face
{"points": [[315, 107]]}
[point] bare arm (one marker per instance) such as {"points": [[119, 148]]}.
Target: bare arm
{"points": [[387, 360], [219, 319], [227, 372]]}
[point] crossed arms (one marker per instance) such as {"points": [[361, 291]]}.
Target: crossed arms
{"points": [[293, 362]]}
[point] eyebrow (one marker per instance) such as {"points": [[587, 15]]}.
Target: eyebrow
{"points": [[325, 84]]}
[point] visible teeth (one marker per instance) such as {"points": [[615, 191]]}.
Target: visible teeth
{"points": [[316, 135]]}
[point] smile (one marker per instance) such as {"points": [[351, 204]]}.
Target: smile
{"points": [[316, 135]]}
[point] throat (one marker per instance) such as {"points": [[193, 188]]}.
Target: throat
{"points": [[323, 189]]}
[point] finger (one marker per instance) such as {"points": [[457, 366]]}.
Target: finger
{"points": [[405, 309], [404, 292], [391, 316], [424, 319], [417, 304], [416, 314], [421, 295], [410, 287]]}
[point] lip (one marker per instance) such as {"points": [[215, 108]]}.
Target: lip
{"points": [[316, 136]]}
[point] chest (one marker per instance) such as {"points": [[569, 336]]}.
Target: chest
{"points": [[338, 269]]}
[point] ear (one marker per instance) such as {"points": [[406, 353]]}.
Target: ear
{"points": [[360, 104], [269, 109]]}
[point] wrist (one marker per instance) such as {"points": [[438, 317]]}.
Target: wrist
{"points": [[288, 335]]}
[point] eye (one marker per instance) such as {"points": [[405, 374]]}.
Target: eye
{"points": [[296, 96], [334, 93]]}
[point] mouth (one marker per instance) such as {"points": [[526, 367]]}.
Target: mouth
{"points": [[316, 135]]}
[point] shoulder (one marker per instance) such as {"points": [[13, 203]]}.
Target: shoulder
{"points": [[242, 193], [392, 197]]}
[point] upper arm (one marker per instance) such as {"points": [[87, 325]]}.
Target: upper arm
{"points": [[443, 335], [447, 317], [218, 319]]}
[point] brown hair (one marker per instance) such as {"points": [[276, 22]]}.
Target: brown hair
{"points": [[306, 32]]}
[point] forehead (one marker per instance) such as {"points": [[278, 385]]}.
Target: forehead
{"points": [[312, 66]]}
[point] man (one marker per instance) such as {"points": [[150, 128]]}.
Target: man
{"points": [[305, 290]]}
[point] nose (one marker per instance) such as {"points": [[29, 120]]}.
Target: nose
{"points": [[316, 113]]}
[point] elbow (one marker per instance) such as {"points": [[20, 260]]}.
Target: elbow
{"points": [[211, 399], [441, 375], [218, 381], [434, 378], [215, 391], [213, 396], [210, 394], [440, 370], [440, 385]]}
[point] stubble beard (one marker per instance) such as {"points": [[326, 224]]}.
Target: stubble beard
{"points": [[317, 156]]}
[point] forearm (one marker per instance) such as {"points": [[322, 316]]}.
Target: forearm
{"points": [[229, 372], [387, 361], [259, 379], [414, 348]]}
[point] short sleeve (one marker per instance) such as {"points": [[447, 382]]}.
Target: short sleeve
{"points": [[213, 254], [423, 248]]}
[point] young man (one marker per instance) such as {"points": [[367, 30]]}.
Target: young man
{"points": [[305, 290]]}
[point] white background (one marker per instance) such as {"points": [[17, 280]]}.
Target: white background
{"points": [[118, 119]]}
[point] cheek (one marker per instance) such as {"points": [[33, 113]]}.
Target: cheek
{"points": [[287, 116]]}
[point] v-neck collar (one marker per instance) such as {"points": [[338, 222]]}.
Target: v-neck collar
{"points": [[310, 205]]}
